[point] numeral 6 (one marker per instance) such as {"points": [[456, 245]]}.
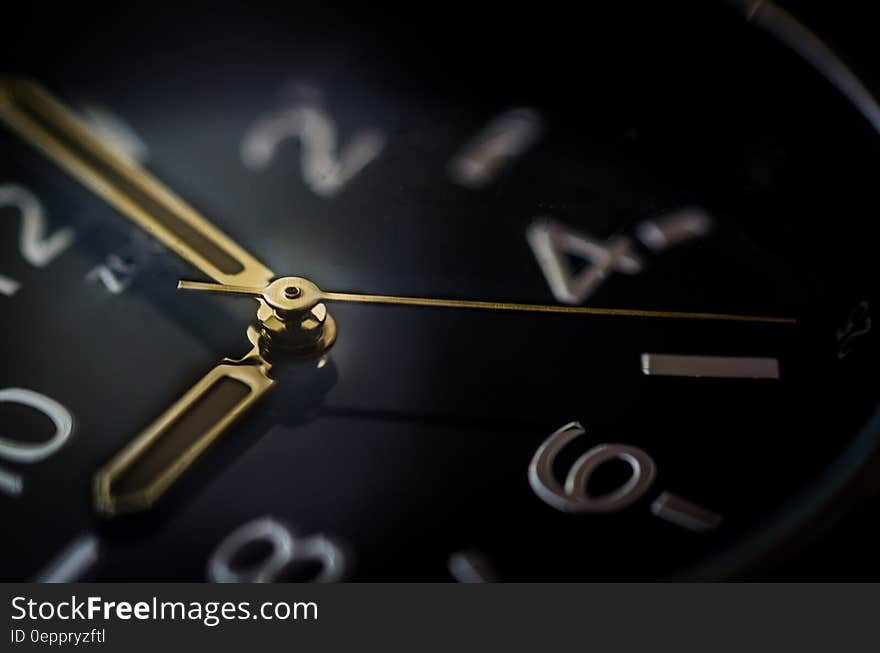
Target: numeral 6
{"points": [[573, 496]]}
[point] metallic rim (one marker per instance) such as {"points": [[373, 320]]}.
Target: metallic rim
{"points": [[854, 472]]}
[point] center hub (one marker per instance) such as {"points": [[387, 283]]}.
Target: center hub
{"points": [[293, 320]]}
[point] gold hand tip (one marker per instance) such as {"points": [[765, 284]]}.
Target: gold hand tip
{"points": [[210, 286]]}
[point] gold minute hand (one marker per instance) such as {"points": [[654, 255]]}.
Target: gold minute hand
{"points": [[271, 295], [30, 111]]}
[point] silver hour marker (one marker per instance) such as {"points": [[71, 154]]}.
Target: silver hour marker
{"points": [[682, 512], [10, 483], [506, 137], [720, 367], [669, 230], [471, 567], [73, 562], [8, 286]]}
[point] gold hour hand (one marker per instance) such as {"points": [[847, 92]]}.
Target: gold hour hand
{"points": [[40, 119], [141, 472]]}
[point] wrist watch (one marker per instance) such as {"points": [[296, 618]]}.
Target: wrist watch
{"points": [[473, 297]]}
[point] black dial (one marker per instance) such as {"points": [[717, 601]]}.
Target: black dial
{"points": [[707, 169]]}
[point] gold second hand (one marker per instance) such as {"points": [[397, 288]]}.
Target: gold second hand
{"points": [[497, 306], [545, 308]]}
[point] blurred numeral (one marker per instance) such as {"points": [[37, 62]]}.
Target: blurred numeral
{"points": [[119, 269], [27, 452], [265, 550], [116, 273], [326, 165], [36, 246], [553, 243]]}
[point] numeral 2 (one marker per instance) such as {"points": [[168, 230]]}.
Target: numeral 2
{"points": [[36, 246], [326, 167]]}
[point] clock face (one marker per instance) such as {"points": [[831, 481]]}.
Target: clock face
{"points": [[684, 167]]}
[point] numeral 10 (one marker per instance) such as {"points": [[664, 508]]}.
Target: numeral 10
{"points": [[26, 452]]}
